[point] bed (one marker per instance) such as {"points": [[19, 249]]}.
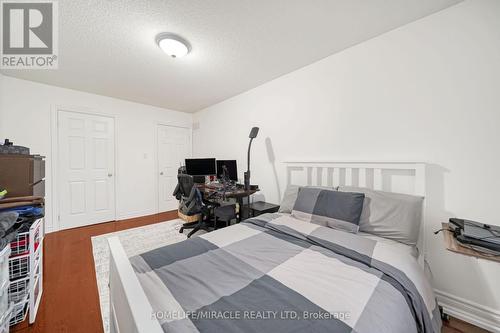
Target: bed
{"points": [[278, 273]]}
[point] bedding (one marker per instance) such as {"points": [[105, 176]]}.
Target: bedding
{"points": [[275, 273], [390, 215], [330, 208], [394, 245]]}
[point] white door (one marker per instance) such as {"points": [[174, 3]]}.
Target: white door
{"points": [[86, 169], [174, 146]]}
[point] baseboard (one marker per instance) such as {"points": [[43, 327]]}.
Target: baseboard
{"points": [[471, 312], [149, 218], [152, 218]]}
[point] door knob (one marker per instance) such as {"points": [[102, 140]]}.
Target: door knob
{"points": [[110, 175], [161, 173]]}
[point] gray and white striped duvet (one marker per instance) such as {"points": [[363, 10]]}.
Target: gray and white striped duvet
{"points": [[275, 273]]}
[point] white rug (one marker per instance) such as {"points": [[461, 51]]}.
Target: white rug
{"points": [[134, 241]]}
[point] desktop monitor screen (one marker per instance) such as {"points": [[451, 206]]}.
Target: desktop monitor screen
{"points": [[232, 171], [200, 166]]}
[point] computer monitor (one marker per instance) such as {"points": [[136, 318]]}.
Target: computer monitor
{"points": [[232, 171], [200, 166]]}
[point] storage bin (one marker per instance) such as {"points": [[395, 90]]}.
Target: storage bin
{"points": [[5, 320], [19, 311], [19, 267], [25, 272], [4, 267], [21, 245], [4, 300], [18, 289], [28, 240]]}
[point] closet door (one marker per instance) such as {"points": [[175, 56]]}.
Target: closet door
{"points": [[174, 146], [86, 169]]}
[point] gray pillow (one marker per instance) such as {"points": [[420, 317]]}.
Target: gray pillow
{"points": [[330, 208], [290, 196], [390, 215]]}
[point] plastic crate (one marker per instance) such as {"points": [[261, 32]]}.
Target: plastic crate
{"points": [[4, 267], [5, 320], [19, 312], [36, 287], [18, 289], [25, 272], [19, 267], [21, 245], [4, 300]]}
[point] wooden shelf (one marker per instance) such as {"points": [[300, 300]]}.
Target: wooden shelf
{"points": [[452, 245]]}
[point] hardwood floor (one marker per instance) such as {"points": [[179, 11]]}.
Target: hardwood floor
{"points": [[458, 326], [70, 303]]}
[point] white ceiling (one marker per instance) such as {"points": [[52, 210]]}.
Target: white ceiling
{"points": [[108, 47]]}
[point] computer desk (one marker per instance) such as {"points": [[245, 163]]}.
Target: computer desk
{"points": [[237, 194]]}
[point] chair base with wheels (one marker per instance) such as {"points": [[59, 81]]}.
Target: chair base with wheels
{"points": [[188, 225], [225, 213], [201, 225], [200, 221]]}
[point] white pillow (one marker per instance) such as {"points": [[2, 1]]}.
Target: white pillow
{"points": [[289, 198]]}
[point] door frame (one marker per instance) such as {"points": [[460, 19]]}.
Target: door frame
{"points": [[157, 158], [54, 138]]}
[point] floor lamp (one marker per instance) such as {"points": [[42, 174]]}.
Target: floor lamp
{"points": [[253, 135]]}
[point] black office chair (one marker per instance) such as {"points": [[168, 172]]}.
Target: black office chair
{"points": [[191, 203]]}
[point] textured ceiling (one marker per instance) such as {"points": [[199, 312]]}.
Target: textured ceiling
{"points": [[108, 47]]}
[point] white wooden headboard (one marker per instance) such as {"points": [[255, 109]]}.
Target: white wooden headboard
{"points": [[398, 177]]}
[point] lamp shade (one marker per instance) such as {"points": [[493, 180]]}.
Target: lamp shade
{"points": [[254, 132]]}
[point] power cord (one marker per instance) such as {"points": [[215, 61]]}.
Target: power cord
{"points": [[443, 229]]}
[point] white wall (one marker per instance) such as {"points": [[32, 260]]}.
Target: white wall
{"points": [[428, 91], [2, 107], [25, 117]]}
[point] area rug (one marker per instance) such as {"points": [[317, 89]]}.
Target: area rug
{"points": [[134, 241]]}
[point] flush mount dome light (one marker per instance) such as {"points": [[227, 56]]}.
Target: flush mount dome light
{"points": [[173, 45]]}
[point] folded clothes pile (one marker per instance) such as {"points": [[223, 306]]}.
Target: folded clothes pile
{"points": [[17, 215], [9, 204], [7, 231]]}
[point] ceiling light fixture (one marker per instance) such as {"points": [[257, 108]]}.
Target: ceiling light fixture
{"points": [[173, 45]]}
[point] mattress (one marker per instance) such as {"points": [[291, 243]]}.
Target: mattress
{"points": [[274, 273]]}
